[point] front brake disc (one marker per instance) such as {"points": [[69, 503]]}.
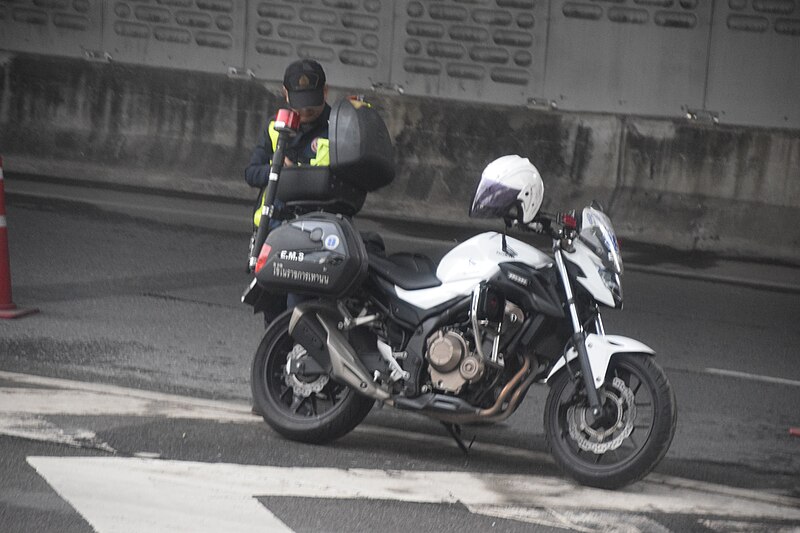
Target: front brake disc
{"points": [[594, 439]]}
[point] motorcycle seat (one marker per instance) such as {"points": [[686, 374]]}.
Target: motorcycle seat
{"points": [[406, 270]]}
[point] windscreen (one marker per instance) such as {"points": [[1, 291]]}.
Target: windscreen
{"points": [[598, 234]]}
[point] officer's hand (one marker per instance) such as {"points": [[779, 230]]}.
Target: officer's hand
{"points": [[287, 162]]}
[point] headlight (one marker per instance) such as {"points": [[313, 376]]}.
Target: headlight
{"points": [[611, 280]]}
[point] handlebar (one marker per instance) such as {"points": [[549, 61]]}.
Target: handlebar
{"points": [[559, 226], [543, 224]]}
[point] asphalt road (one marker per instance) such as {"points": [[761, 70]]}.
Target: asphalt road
{"points": [[140, 292]]}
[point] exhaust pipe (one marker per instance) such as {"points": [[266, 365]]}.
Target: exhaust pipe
{"points": [[323, 341], [516, 387]]}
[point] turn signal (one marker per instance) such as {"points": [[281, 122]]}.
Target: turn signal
{"points": [[569, 220], [262, 257]]}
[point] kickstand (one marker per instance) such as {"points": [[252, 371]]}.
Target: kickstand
{"points": [[455, 431]]}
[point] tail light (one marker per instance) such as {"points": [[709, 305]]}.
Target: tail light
{"points": [[262, 257]]}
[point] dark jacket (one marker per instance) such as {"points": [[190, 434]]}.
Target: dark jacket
{"points": [[298, 150]]}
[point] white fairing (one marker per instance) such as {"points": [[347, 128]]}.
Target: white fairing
{"points": [[471, 262], [590, 264], [601, 348]]}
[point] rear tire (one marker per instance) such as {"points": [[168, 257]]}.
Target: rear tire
{"points": [[313, 409], [629, 441]]}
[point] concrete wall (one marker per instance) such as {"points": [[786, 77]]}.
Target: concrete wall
{"points": [[731, 60], [694, 186]]}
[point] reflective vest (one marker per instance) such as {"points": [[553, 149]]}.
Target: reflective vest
{"points": [[322, 159]]}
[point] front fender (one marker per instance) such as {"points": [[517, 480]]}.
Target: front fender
{"points": [[601, 349]]}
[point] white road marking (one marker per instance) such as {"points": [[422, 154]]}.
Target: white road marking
{"points": [[129, 495], [728, 526], [752, 377], [78, 398], [132, 494], [90, 403], [21, 408], [34, 428], [582, 521], [656, 493]]}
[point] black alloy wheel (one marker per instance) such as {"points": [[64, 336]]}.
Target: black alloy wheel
{"points": [[628, 439], [307, 408]]}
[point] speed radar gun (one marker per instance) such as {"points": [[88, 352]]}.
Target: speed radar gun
{"points": [[286, 124], [461, 341]]}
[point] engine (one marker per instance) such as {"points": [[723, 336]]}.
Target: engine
{"points": [[452, 360], [451, 363]]}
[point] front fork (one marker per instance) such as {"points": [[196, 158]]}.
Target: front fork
{"points": [[579, 335]]}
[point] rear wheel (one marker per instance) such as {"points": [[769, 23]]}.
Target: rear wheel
{"points": [[631, 436], [304, 407]]}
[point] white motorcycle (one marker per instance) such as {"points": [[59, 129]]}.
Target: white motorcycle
{"points": [[462, 341]]}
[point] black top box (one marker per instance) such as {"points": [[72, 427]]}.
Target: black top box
{"points": [[361, 161], [361, 150]]}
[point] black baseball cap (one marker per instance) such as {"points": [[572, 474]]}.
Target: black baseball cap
{"points": [[305, 82]]}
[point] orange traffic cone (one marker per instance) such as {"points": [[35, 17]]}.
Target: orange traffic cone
{"points": [[7, 307]]}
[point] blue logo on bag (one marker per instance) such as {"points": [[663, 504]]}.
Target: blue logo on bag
{"points": [[331, 242]]}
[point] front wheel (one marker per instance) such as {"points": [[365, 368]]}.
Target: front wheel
{"points": [[628, 439], [301, 406]]}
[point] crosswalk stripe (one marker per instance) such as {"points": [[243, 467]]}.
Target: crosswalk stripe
{"points": [[213, 493], [50, 396]]}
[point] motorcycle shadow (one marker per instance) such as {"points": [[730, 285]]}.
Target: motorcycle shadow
{"points": [[428, 446]]}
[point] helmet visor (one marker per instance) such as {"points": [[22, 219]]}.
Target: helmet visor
{"points": [[493, 200]]}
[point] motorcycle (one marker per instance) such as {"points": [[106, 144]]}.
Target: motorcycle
{"points": [[463, 341]]}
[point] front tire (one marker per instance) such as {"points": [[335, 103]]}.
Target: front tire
{"points": [[632, 436], [307, 408]]}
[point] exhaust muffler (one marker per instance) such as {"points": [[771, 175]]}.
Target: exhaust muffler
{"points": [[324, 342]]}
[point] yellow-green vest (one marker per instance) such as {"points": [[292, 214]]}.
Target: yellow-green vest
{"points": [[323, 159]]}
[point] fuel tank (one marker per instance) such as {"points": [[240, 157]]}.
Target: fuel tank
{"points": [[479, 256], [471, 262]]}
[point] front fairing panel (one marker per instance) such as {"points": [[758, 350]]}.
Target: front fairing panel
{"points": [[590, 264]]}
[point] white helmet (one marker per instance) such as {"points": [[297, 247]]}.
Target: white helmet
{"points": [[507, 183]]}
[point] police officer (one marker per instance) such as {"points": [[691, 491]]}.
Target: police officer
{"points": [[306, 92]]}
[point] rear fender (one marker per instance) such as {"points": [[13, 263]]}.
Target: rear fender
{"points": [[601, 349]]}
